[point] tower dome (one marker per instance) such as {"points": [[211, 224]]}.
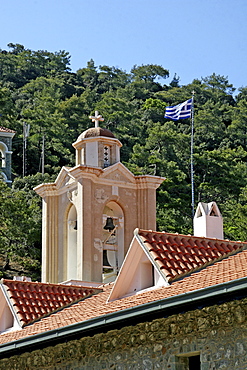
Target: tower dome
{"points": [[94, 132], [97, 146]]}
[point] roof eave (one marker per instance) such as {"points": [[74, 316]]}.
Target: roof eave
{"points": [[213, 293]]}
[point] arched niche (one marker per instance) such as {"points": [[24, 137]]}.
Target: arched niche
{"points": [[3, 150], [113, 241], [72, 243]]}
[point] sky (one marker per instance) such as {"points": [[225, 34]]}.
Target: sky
{"points": [[192, 38]]}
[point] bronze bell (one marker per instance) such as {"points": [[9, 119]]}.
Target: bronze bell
{"points": [[109, 224]]}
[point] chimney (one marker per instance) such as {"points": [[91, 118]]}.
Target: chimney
{"points": [[208, 221]]}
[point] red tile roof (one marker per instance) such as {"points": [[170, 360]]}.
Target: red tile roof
{"points": [[177, 255], [32, 300], [231, 268], [4, 129]]}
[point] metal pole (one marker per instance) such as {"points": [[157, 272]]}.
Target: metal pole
{"points": [[24, 150], [26, 128], [43, 155], [191, 156], [25, 134]]}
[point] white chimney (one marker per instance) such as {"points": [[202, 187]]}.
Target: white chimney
{"points": [[208, 221]]}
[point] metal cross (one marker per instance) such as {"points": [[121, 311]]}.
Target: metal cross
{"points": [[97, 118]]}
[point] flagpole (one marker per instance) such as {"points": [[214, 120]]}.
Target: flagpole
{"points": [[26, 128], [192, 156], [43, 156], [182, 111]]}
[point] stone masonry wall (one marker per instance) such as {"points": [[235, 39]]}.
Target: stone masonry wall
{"points": [[218, 333]]}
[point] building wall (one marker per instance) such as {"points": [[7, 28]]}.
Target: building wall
{"points": [[90, 192], [218, 333]]}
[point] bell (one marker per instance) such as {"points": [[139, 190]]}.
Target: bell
{"points": [[109, 224]]}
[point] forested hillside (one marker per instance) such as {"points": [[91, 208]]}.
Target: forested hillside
{"points": [[38, 88]]}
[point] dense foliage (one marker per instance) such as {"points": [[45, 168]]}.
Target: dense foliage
{"points": [[38, 87]]}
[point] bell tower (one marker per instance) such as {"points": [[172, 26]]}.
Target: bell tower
{"points": [[97, 147], [92, 209]]}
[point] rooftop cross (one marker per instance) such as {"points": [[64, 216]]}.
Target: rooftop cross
{"points": [[96, 118]]}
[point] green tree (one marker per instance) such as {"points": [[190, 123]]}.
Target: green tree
{"points": [[20, 229], [149, 72], [39, 105], [88, 76]]}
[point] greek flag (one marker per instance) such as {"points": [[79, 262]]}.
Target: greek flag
{"points": [[179, 111]]}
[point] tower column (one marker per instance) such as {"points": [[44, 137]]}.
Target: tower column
{"points": [[50, 240]]}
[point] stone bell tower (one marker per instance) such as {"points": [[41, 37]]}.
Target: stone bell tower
{"points": [[92, 209]]}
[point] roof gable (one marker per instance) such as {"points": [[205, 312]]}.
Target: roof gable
{"points": [[119, 173], [8, 317], [177, 255], [158, 258], [32, 300], [207, 209], [137, 273], [67, 179]]}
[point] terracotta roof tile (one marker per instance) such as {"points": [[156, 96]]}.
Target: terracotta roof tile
{"points": [[4, 129], [228, 269], [33, 300], [178, 255]]}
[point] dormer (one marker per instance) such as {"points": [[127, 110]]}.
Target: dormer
{"points": [[138, 273], [208, 221], [8, 318], [157, 259]]}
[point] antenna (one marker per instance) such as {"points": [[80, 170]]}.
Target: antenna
{"points": [[43, 155], [192, 157], [26, 128]]}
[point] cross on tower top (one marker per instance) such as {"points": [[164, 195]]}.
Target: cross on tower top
{"points": [[96, 118]]}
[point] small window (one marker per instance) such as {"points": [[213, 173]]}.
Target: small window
{"points": [[2, 159], [194, 363], [188, 362], [106, 156]]}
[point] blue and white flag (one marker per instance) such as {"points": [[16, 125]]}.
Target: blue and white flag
{"points": [[179, 111]]}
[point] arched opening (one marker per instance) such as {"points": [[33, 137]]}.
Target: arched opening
{"points": [[3, 150], [3, 177], [113, 241], [72, 244], [107, 155]]}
